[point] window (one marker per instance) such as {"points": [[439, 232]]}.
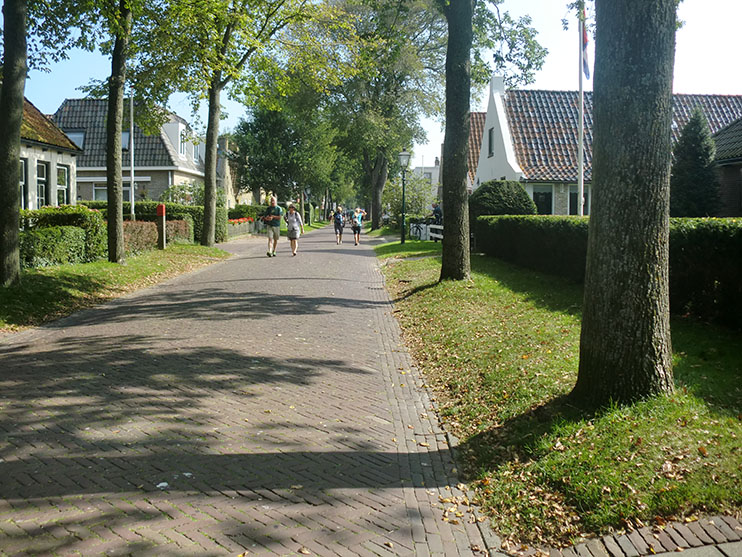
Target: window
{"points": [[100, 192], [491, 142], [183, 142], [428, 176], [63, 185], [543, 198], [42, 182], [77, 136], [23, 183], [573, 206], [125, 140]]}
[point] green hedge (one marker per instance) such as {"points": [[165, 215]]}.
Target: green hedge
{"points": [[244, 211], [147, 211], [705, 257], [91, 221], [52, 245]]}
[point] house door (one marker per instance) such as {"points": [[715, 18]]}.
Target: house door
{"points": [[543, 197]]}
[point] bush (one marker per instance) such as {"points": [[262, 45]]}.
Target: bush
{"points": [[52, 245], [139, 236], [147, 210], [80, 216], [247, 211], [498, 197], [705, 257]]}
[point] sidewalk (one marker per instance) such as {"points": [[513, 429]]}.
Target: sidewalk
{"points": [[260, 406]]}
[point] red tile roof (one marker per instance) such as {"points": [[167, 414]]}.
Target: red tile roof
{"points": [[476, 131], [543, 125]]}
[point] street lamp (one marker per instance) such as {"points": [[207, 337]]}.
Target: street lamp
{"points": [[404, 160]]}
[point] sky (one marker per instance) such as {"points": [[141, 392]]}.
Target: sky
{"points": [[706, 62]]}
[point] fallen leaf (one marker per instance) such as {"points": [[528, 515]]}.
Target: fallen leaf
{"points": [[304, 551]]}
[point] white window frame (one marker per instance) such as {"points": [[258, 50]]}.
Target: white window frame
{"points": [[23, 183], [183, 143], [64, 187], [42, 184], [491, 142], [97, 189]]}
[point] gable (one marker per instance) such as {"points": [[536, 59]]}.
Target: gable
{"points": [[89, 115], [543, 125], [37, 128]]}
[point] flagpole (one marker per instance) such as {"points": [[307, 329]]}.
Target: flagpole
{"points": [[580, 123]]}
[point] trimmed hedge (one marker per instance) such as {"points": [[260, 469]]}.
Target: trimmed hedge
{"points": [[705, 257], [244, 211], [147, 211], [501, 197], [52, 245], [139, 236], [91, 221]]}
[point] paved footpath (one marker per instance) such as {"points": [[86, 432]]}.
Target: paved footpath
{"points": [[260, 406]]}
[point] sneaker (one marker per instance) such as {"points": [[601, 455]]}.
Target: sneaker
{"points": [[268, 254], [273, 254]]}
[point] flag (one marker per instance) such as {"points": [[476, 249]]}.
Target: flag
{"points": [[585, 64]]}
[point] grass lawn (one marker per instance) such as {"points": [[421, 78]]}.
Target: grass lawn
{"points": [[500, 353], [49, 293]]}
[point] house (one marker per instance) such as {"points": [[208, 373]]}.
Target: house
{"points": [[48, 162], [531, 136], [168, 158], [729, 164], [432, 174]]}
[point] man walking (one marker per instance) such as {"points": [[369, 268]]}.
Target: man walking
{"points": [[272, 220]]}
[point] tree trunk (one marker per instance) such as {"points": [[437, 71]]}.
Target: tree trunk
{"points": [[11, 115], [113, 136], [377, 176], [208, 232], [456, 263], [625, 351]]}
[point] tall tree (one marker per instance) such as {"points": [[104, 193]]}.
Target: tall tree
{"points": [[13, 84], [120, 22], [455, 263], [694, 185], [34, 33], [625, 351]]}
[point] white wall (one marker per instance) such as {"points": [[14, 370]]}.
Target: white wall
{"points": [[34, 154]]}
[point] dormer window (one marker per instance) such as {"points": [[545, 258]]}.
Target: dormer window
{"points": [[77, 137], [183, 143], [125, 140]]}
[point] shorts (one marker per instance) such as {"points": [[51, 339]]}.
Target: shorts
{"points": [[274, 232], [338, 227], [356, 229], [293, 234]]}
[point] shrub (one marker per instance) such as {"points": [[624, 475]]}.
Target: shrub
{"points": [[139, 236], [52, 245], [500, 197], [91, 221], [705, 260]]}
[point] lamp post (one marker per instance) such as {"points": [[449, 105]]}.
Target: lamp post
{"points": [[404, 160]]}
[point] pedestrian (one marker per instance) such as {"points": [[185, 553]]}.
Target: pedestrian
{"points": [[339, 222], [295, 226], [437, 217], [357, 224], [272, 220]]}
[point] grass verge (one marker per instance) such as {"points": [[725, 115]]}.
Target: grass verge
{"points": [[501, 353], [49, 293]]}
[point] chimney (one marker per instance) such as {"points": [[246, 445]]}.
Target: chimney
{"points": [[497, 84], [437, 161]]}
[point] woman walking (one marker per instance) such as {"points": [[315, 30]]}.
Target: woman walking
{"points": [[339, 222], [295, 227], [357, 223]]}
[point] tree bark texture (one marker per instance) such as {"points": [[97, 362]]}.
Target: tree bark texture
{"points": [[377, 175], [625, 349], [113, 136], [15, 13], [208, 232], [456, 257]]}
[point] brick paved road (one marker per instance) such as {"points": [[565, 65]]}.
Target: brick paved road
{"points": [[260, 405]]}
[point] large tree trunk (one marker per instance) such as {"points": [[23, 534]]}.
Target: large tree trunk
{"points": [[456, 263], [625, 343], [377, 175], [113, 136], [208, 232], [11, 115]]}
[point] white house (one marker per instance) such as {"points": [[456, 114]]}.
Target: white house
{"points": [[531, 136]]}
